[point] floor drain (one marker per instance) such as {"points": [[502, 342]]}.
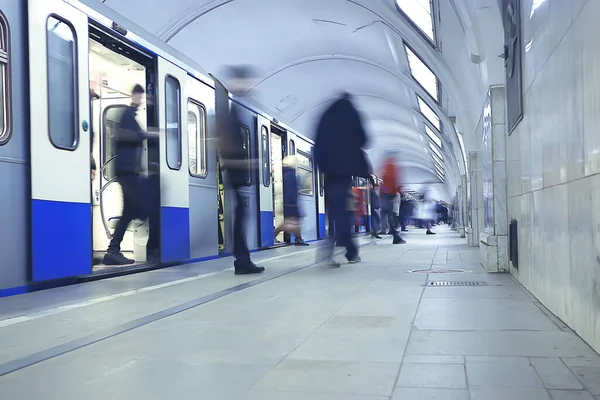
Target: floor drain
{"points": [[438, 271], [457, 283]]}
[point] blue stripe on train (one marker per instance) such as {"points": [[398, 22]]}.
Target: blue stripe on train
{"points": [[175, 233], [266, 229], [61, 239], [322, 232]]}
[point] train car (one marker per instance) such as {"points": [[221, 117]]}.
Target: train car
{"points": [[66, 72]]}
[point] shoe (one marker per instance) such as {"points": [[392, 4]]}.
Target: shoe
{"points": [[334, 263], [300, 243], [429, 232], [354, 260], [404, 230], [376, 237], [247, 268], [116, 259], [399, 240]]}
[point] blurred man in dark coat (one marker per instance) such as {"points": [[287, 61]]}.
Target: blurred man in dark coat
{"points": [[233, 160], [338, 153]]}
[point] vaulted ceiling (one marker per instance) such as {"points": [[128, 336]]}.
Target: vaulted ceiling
{"points": [[307, 51]]}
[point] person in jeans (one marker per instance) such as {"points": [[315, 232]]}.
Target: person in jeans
{"points": [[233, 161], [339, 154], [139, 199], [375, 208]]}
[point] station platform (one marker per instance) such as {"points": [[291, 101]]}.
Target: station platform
{"points": [[416, 321]]}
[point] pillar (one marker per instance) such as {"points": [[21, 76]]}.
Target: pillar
{"points": [[493, 239]]}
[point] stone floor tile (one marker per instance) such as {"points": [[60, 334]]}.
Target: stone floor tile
{"points": [[555, 374], [430, 394], [502, 373], [498, 343], [285, 395], [570, 395], [481, 393], [589, 378], [433, 359], [449, 376], [468, 315], [332, 377], [372, 339]]}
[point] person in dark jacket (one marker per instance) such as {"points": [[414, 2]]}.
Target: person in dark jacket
{"points": [[138, 198], [338, 153], [235, 165], [375, 208], [291, 211]]}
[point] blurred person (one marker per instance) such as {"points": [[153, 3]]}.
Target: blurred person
{"points": [[340, 138], [235, 166], [291, 212], [139, 194], [375, 208], [389, 191]]}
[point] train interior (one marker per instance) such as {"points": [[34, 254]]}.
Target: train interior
{"points": [[112, 77], [277, 153]]}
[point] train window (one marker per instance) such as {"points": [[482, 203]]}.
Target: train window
{"points": [[5, 130], [292, 148], [111, 119], [305, 174], [173, 119], [197, 140], [266, 156], [63, 115], [321, 184], [246, 143]]}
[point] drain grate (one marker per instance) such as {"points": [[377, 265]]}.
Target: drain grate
{"points": [[456, 283]]}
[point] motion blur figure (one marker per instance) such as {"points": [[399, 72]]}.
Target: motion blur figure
{"points": [[291, 212], [139, 191], [232, 159], [338, 153]]}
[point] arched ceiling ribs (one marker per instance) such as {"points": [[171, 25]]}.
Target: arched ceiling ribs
{"points": [[187, 17], [403, 78]]}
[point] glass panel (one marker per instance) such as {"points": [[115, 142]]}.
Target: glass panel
{"points": [[111, 119], [197, 140], [429, 113], [292, 148], [419, 12], [246, 144], [422, 73], [433, 136], [173, 116], [305, 174], [321, 184], [266, 156], [4, 97], [435, 150], [63, 116]]}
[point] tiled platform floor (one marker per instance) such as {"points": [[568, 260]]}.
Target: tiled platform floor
{"points": [[367, 331]]}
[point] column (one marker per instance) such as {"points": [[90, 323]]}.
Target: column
{"points": [[493, 240]]}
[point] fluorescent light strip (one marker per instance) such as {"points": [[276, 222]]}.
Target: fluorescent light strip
{"points": [[433, 136], [435, 150], [422, 73], [429, 113]]}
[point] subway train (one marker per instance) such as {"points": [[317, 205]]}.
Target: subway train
{"points": [[57, 220]]}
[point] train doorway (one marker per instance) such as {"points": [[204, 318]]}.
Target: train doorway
{"points": [[278, 152], [114, 69]]}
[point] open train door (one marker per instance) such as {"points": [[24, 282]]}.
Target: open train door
{"points": [[61, 231], [265, 184], [174, 183]]}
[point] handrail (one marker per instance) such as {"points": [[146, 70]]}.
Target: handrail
{"points": [[104, 221]]}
